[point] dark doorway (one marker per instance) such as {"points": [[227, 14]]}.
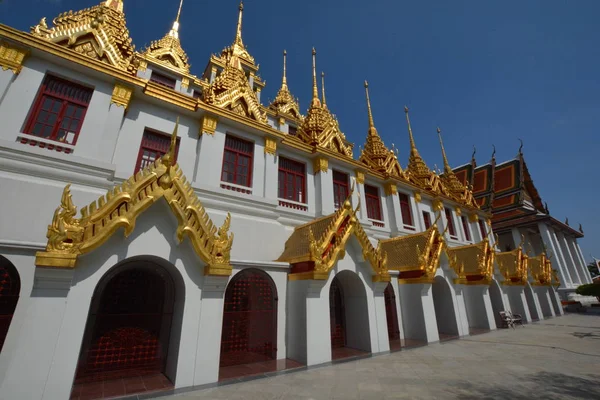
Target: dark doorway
{"points": [[337, 314], [10, 287], [128, 330], [391, 313], [445, 314], [249, 332]]}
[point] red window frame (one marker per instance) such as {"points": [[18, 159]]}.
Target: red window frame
{"points": [[407, 219], [466, 229], [340, 188], [373, 203], [482, 229], [163, 80], [292, 180], [59, 110], [154, 145], [450, 222], [427, 219], [238, 157]]}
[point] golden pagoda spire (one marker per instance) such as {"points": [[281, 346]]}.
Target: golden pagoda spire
{"points": [[416, 164], [372, 130], [315, 99], [114, 4], [323, 88], [284, 101], [238, 32], [413, 148], [284, 79], [175, 30], [449, 177], [447, 168]]}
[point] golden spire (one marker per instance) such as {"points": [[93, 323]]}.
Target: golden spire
{"points": [[284, 80], [284, 101], [449, 176], [416, 165], [447, 168], [323, 88], [115, 4], [413, 148], [315, 100], [372, 130], [238, 33], [175, 30]]}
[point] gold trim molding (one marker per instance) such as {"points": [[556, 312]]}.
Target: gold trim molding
{"points": [[209, 124], [12, 57], [437, 204], [270, 146], [417, 196], [360, 177], [473, 217], [185, 83], [390, 189], [121, 95], [458, 211], [320, 164]]}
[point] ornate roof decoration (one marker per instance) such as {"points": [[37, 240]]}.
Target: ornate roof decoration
{"points": [[540, 269], [315, 247], [238, 49], [513, 266], [456, 189], [69, 237], [474, 263], [375, 155], [99, 32], [168, 50], [416, 256], [284, 102], [319, 128]]}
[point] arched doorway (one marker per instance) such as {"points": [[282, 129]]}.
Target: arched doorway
{"points": [[391, 313], [529, 296], [349, 316], [497, 302], [129, 328], [249, 332], [10, 287], [445, 314]]}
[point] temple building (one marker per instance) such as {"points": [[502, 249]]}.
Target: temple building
{"points": [[163, 230]]}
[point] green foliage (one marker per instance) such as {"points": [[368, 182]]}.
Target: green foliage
{"points": [[591, 289]]}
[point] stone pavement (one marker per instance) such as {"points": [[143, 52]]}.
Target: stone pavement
{"points": [[555, 359]]}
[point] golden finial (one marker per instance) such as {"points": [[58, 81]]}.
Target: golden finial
{"points": [[115, 4], [372, 130], [238, 34], [315, 99], [521, 147], [413, 148], [323, 88], [284, 81], [447, 168], [175, 30]]}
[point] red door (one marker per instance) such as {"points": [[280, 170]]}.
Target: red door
{"points": [[336, 315], [10, 286], [128, 328], [249, 319], [391, 313]]}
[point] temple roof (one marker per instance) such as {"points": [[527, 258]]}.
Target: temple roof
{"points": [[285, 104]]}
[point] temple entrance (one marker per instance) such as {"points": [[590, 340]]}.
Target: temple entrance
{"points": [[249, 335], [445, 314], [10, 287], [128, 330], [391, 313], [349, 316], [531, 303], [497, 303]]}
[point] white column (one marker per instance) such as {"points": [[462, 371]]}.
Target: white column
{"points": [[210, 159], [544, 300], [271, 185], [585, 273], [479, 307], [208, 348], [516, 236], [318, 323], [394, 213], [562, 259], [383, 340], [460, 310], [571, 262], [324, 192], [518, 301], [396, 288], [359, 193], [112, 127], [418, 312], [564, 276]]}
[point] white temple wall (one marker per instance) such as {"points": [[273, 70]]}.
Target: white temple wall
{"points": [[479, 307], [555, 301], [533, 303], [418, 312], [517, 301], [399, 312], [543, 295]]}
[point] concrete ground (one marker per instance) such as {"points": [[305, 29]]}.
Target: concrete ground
{"points": [[557, 358]]}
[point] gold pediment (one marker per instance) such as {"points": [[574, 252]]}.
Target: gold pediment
{"points": [[513, 266], [540, 270], [473, 264]]}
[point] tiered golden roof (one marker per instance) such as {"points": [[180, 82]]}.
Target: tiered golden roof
{"points": [[474, 263], [455, 188], [99, 32], [540, 269], [416, 256], [168, 50], [285, 104], [375, 155], [319, 128], [319, 244], [69, 237], [513, 266]]}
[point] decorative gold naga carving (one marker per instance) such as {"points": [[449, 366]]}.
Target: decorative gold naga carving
{"points": [[513, 266], [12, 57], [70, 237], [473, 264], [285, 103], [99, 32], [320, 128]]}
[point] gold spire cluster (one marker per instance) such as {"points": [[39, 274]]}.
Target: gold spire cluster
{"points": [[238, 49], [375, 154], [452, 183], [284, 102], [320, 128]]}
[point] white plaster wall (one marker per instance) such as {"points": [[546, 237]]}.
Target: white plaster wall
{"points": [[479, 307], [418, 313], [544, 301], [518, 302], [296, 321], [497, 301], [533, 303]]}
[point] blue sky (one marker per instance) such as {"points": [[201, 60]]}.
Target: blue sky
{"points": [[485, 72]]}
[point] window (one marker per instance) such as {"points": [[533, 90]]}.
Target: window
{"points": [[465, 225], [482, 228], [292, 130], [162, 80], [196, 93], [427, 219], [58, 112], [405, 209], [340, 188], [292, 180], [373, 203], [450, 223], [154, 146], [237, 161]]}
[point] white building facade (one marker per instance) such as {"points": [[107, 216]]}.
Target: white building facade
{"points": [[198, 230]]}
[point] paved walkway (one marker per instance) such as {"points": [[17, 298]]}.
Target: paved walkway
{"points": [[555, 359]]}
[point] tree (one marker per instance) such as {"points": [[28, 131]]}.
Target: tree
{"points": [[590, 289]]}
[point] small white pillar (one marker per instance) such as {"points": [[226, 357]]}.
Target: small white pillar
{"points": [[324, 192], [381, 327], [418, 312]]}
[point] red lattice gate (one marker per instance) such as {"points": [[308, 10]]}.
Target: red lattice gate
{"points": [[336, 315], [391, 313], [10, 286], [249, 319], [128, 332]]}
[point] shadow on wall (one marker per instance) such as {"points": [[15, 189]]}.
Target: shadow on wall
{"points": [[543, 385]]}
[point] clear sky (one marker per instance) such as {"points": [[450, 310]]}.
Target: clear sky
{"points": [[486, 72]]}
